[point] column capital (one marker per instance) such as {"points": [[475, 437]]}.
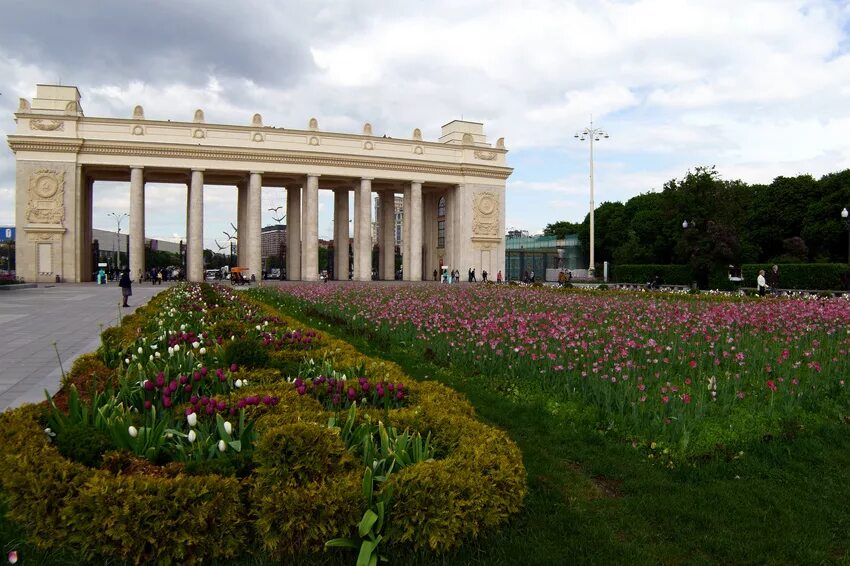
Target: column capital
{"points": [[197, 170], [137, 167], [257, 172], [314, 174], [367, 178], [418, 182]]}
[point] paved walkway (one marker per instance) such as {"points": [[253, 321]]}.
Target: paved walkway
{"points": [[71, 315]]}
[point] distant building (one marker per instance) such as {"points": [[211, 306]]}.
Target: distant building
{"points": [[539, 253], [273, 241]]}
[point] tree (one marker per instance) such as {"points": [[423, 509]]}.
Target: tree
{"points": [[561, 229]]}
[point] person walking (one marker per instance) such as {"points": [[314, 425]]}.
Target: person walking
{"points": [[484, 275], [773, 280], [126, 286], [499, 276], [761, 283], [562, 279]]}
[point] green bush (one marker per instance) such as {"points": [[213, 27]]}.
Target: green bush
{"points": [[642, 274], [302, 489], [247, 352], [826, 276], [83, 443], [301, 452]]}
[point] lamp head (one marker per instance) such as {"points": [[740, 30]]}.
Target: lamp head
{"points": [[685, 224], [844, 213]]}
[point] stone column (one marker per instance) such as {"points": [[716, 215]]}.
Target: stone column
{"points": [[341, 234], [451, 257], [137, 222], [387, 231], [414, 220], [293, 233], [405, 236], [363, 230], [241, 223], [310, 231], [195, 233], [254, 219]]}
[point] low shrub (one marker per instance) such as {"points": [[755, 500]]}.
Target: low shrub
{"points": [[301, 487], [247, 351]]}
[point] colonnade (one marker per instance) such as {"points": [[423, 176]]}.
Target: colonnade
{"points": [[302, 201]]}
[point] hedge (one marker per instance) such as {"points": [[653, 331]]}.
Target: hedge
{"points": [[825, 276], [303, 490]]}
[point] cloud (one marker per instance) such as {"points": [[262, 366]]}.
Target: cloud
{"points": [[757, 87]]}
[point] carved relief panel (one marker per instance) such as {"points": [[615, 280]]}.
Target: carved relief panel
{"points": [[485, 214], [46, 197]]}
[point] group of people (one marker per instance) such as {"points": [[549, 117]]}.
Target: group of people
{"points": [[771, 281], [453, 276], [564, 277]]}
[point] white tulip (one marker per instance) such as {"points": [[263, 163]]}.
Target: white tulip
{"points": [[154, 346], [228, 428], [140, 350], [192, 436], [222, 446], [182, 327], [127, 361], [258, 327], [192, 419], [203, 351], [170, 351], [156, 355], [134, 432], [177, 347], [151, 358], [238, 383], [195, 345]]}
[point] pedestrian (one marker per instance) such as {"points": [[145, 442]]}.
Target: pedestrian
{"points": [[435, 275], [126, 286], [499, 276], [484, 275], [159, 277], [773, 279], [562, 279], [474, 279], [761, 283], [531, 276]]}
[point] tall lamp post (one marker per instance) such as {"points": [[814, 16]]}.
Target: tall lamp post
{"points": [[591, 134], [845, 217], [119, 217]]}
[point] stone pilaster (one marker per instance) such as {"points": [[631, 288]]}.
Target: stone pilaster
{"points": [[195, 246], [387, 229], [341, 234], [293, 233], [137, 223], [254, 218], [363, 230], [414, 220]]}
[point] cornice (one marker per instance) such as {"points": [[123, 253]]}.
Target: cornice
{"points": [[91, 147]]}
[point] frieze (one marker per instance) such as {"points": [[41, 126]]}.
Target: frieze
{"points": [[286, 157], [47, 125], [46, 198]]}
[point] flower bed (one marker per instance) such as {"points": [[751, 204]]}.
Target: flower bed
{"points": [[208, 425], [679, 375]]}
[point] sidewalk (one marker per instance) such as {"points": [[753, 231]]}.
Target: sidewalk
{"points": [[70, 314]]}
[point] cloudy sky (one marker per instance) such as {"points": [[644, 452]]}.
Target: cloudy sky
{"points": [[757, 88]]}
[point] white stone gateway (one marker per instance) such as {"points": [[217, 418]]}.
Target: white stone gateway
{"points": [[454, 189]]}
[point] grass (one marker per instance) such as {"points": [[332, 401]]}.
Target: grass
{"points": [[595, 499]]}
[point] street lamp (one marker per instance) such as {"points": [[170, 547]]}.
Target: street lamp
{"points": [[592, 134], [845, 217], [119, 217]]}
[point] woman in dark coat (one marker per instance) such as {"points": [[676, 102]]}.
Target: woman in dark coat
{"points": [[126, 286]]}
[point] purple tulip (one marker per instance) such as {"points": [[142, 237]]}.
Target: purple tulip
{"points": [[193, 399], [187, 388], [233, 368], [148, 405], [166, 402], [204, 371], [160, 379], [352, 394]]}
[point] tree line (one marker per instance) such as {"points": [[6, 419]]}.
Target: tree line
{"points": [[793, 219]]}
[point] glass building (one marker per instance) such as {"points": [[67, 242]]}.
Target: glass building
{"points": [[538, 253]]}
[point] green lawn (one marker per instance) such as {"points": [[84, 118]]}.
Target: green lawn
{"points": [[596, 499]]}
